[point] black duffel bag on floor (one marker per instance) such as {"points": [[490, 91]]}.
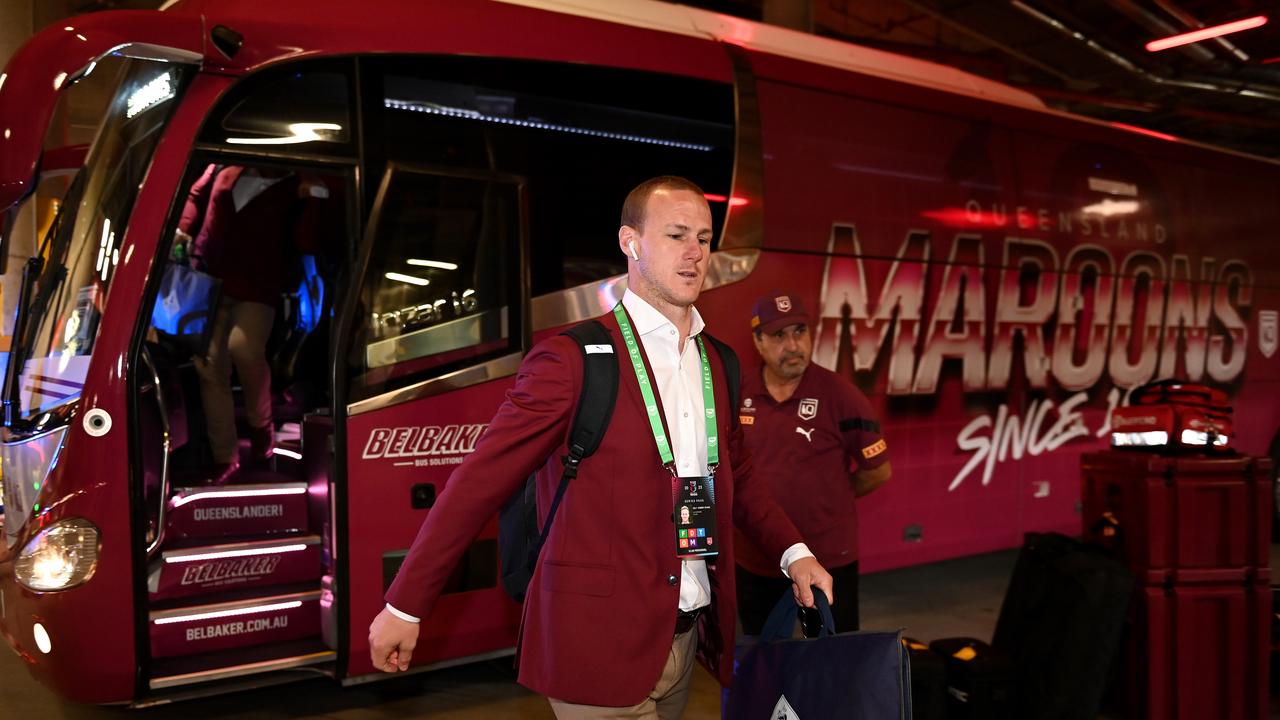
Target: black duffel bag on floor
{"points": [[1060, 626]]}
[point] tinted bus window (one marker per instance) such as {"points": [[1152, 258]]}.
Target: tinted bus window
{"points": [[442, 272], [582, 137], [302, 108]]}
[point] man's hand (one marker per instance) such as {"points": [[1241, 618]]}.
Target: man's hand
{"points": [[392, 640], [181, 246], [805, 572]]}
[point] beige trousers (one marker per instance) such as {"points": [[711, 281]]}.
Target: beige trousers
{"points": [[666, 702], [239, 336]]}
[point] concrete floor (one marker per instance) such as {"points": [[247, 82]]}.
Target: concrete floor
{"points": [[957, 597], [948, 599]]}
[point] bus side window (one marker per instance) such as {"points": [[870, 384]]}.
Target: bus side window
{"points": [[442, 280], [581, 136], [301, 106]]}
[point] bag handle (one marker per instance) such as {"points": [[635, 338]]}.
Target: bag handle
{"points": [[782, 619]]}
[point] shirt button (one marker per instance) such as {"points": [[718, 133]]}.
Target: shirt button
{"points": [[671, 579], [686, 414]]}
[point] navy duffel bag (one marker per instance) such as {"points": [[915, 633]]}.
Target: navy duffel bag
{"points": [[850, 675]]}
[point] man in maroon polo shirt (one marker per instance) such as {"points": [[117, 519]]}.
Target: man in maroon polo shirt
{"points": [[814, 436]]}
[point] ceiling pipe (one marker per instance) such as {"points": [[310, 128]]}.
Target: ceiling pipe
{"points": [[1068, 96], [958, 27], [1071, 96], [1211, 84]]}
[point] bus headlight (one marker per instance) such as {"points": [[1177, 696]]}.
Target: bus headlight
{"points": [[59, 557]]}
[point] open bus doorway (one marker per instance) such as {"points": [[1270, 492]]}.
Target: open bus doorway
{"points": [[234, 420]]}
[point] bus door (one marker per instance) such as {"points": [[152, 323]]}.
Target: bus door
{"points": [[234, 412], [440, 320]]}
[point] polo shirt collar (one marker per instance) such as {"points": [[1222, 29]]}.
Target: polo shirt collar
{"points": [[645, 318]]}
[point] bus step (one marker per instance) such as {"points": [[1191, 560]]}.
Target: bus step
{"points": [[263, 620], [248, 509], [239, 669], [234, 566]]}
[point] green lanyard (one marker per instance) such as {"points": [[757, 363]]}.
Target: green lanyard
{"points": [[651, 403]]}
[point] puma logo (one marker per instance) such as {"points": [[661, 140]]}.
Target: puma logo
{"points": [[808, 434]]}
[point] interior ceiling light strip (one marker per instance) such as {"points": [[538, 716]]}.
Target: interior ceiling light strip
{"points": [[433, 109], [1206, 33]]}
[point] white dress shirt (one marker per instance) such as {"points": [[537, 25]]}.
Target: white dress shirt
{"points": [[677, 374], [678, 377]]}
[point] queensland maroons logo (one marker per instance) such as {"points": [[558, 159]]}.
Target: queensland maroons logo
{"points": [[1150, 315], [808, 409]]}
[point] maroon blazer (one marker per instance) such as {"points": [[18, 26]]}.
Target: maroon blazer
{"points": [[601, 606]]}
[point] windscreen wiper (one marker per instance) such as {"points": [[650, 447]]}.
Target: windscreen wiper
{"points": [[30, 310], [18, 355]]}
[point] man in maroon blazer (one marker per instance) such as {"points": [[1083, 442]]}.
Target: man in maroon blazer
{"points": [[618, 575]]}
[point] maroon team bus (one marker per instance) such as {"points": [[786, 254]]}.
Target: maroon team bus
{"points": [[994, 274]]}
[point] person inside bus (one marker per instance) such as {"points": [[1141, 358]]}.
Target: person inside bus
{"points": [[242, 225], [797, 414], [610, 621]]}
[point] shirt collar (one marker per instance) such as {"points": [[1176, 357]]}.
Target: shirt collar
{"points": [[646, 317]]}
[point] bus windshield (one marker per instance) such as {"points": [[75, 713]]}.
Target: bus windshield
{"points": [[72, 270]]}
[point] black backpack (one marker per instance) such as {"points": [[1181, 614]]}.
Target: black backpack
{"points": [[519, 540]]}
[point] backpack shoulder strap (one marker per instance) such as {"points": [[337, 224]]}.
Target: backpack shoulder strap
{"points": [[732, 370], [599, 387], [595, 407]]}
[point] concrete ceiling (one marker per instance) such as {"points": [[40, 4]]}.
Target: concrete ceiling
{"points": [[1086, 57]]}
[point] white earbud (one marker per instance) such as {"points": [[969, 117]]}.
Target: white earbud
{"points": [[632, 245]]}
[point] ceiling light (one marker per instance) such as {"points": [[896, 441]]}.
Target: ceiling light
{"points": [[432, 264], [1109, 207], [299, 133], [410, 279], [1206, 33]]}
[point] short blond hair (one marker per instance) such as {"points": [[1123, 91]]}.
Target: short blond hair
{"points": [[633, 207]]}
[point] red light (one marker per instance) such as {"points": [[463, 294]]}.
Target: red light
{"points": [[966, 218], [733, 201], [1143, 131], [1206, 33], [736, 31], [1268, 61]]}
